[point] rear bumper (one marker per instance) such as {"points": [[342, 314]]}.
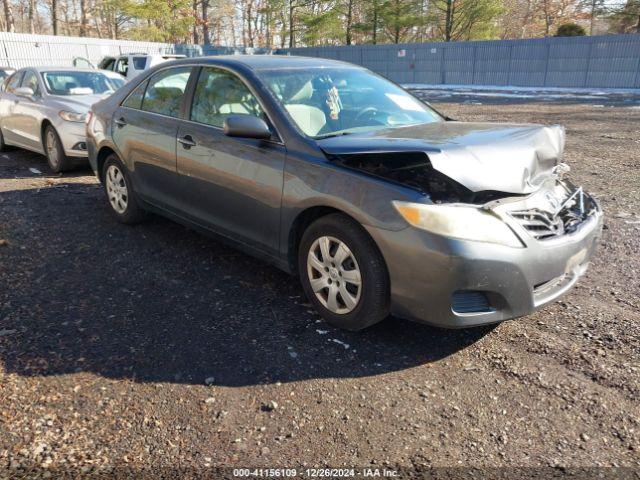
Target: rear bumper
{"points": [[426, 270]]}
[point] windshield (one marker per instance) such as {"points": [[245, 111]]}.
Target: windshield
{"points": [[325, 102], [79, 83]]}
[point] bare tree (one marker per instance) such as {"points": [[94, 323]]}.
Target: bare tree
{"points": [[31, 15], [205, 22], [349, 22], [84, 23], [8, 15], [54, 16]]}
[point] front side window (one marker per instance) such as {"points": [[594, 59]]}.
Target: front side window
{"points": [[78, 83], [219, 94], [107, 63], [31, 81], [165, 91], [338, 101]]}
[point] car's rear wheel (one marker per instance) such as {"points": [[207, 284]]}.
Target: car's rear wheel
{"points": [[56, 158], [343, 273], [3, 146], [119, 190]]}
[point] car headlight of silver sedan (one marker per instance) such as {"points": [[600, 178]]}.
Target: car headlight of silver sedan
{"points": [[458, 221], [72, 116]]}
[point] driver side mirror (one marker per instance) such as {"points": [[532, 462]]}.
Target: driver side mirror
{"points": [[246, 126], [25, 92]]}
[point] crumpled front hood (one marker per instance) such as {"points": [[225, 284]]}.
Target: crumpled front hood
{"points": [[512, 158]]}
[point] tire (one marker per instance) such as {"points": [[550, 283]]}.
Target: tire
{"points": [[332, 288], [3, 146], [119, 192], [54, 151]]}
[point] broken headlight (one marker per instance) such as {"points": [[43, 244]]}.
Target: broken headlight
{"points": [[463, 222]]}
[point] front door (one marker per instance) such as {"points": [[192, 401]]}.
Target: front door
{"points": [[145, 128], [233, 185]]}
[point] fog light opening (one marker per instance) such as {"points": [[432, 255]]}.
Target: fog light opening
{"points": [[471, 301]]}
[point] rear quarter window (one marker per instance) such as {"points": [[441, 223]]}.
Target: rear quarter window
{"points": [[13, 82], [139, 63], [134, 100], [165, 90]]}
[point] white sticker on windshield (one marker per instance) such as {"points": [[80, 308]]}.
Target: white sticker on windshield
{"points": [[405, 102]]}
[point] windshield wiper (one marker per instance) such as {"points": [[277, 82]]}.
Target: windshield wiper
{"points": [[334, 134]]}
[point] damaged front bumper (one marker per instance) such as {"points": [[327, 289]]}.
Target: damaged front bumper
{"points": [[459, 283]]}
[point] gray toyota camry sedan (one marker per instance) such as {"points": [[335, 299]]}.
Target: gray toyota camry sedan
{"points": [[378, 202]]}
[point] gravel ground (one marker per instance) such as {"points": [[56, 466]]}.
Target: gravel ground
{"points": [[153, 347]]}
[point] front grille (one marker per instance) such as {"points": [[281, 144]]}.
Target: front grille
{"points": [[539, 224], [470, 301], [558, 218]]}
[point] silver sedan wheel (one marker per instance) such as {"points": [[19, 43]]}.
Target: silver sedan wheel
{"points": [[334, 275], [117, 189], [52, 148]]}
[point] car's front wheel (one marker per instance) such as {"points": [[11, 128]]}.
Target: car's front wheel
{"points": [[56, 158], [343, 273], [119, 190]]}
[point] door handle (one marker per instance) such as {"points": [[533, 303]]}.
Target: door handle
{"points": [[187, 141], [121, 122]]}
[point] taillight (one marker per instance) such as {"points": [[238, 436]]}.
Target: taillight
{"points": [[89, 117]]}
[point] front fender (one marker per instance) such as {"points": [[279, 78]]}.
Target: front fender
{"points": [[315, 182]]}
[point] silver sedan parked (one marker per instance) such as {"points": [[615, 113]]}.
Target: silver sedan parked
{"points": [[44, 109]]}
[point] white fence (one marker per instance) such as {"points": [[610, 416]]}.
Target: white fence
{"points": [[609, 61]]}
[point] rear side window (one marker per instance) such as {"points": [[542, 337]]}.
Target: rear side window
{"points": [[139, 63], [134, 100], [165, 91], [13, 82]]}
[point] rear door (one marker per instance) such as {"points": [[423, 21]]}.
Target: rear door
{"points": [[145, 128], [8, 101], [233, 185], [27, 113]]}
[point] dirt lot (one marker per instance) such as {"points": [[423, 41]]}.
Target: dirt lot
{"points": [[154, 347]]}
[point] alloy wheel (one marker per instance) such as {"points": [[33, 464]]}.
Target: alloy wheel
{"points": [[117, 189], [334, 275], [52, 148]]}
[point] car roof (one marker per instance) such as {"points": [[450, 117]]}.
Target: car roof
{"points": [[269, 62], [59, 69], [42, 69]]}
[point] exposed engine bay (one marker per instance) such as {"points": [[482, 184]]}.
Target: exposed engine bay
{"points": [[414, 170]]}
